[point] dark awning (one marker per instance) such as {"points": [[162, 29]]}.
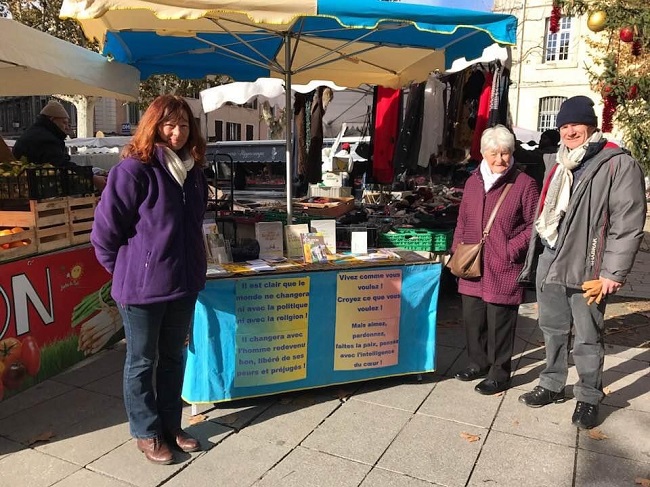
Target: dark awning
{"points": [[252, 151]]}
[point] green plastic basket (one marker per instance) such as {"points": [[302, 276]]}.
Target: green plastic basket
{"points": [[407, 238], [417, 239], [442, 240]]}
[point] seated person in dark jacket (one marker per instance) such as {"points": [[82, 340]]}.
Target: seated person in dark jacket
{"points": [[532, 161], [44, 141]]}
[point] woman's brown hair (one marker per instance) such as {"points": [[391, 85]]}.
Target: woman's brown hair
{"points": [[165, 108]]}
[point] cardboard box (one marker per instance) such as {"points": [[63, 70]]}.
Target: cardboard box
{"points": [[329, 191], [323, 206], [335, 179]]}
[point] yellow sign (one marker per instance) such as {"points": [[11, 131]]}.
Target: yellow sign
{"points": [[367, 319], [271, 336]]}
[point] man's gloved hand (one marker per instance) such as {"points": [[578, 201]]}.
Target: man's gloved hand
{"points": [[593, 291]]}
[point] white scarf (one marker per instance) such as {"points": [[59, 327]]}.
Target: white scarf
{"points": [[489, 177], [559, 190], [178, 167]]}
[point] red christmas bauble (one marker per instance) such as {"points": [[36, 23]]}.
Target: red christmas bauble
{"points": [[626, 34], [633, 92]]}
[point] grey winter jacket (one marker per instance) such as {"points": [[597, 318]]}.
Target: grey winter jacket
{"points": [[602, 229]]}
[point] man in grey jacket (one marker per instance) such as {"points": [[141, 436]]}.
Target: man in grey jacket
{"points": [[589, 227]]}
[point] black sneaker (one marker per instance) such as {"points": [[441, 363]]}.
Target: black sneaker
{"points": [[541, 396], [585, 415]]}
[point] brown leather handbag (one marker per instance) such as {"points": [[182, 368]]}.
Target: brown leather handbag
{"points": [[467, 261]]}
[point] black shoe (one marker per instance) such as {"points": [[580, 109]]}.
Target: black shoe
{"points": [[541, 396], [470, 373], [489, 387], [585, 415]]}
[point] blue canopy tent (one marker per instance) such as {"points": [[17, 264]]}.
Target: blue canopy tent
{"points": [[350, 43]]}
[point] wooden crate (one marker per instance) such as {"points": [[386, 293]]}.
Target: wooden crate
{"points": [[22, 250], [49, 219], [331, 207], [82, 215]]}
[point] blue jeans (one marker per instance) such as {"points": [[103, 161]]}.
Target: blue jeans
{"points": [[155, 332]]}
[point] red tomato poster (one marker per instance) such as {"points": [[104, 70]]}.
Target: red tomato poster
{"points": [[55, 309]]}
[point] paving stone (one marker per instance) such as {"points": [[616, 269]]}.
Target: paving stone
{"points": [[358, 431], [457, 401], [56, 415], [29, 468], [237, 462], [83, 478], [551, 423], [433, 450], [406, 393], [627, 431], [526, 376], [627, 390], [238, 414], [208, 433], [626, 366], [529, 462], [289, 423], [34, 395], [92, 368], [7, 447], [601, 470], [127, 464], [110, 385], [86, 441], [379, 477], [619, 351], [304, 467]]}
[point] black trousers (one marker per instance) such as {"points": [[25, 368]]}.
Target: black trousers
{"points": [[490, 335]]}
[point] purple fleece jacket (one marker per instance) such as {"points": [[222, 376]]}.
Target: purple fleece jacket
{"points": [[148, 232]]}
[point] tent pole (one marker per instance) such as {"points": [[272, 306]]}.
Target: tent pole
{"points": [[287, 125]]}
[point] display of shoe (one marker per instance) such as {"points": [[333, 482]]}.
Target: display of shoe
{"points": [[183, 440], [541, 396], [489, 387], [470, 373], [156, 450], [585, 415]]}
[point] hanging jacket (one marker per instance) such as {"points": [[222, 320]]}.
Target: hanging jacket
{"points": [[148, 232]]}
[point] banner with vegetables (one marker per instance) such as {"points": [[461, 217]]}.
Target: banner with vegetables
{"points": [[55, 309]]}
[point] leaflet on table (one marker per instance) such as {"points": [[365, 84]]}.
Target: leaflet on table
{"points": [[269, 236], [314, 249], [327, 228], [294, 243]]}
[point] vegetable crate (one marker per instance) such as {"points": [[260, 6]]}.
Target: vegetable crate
{"points": [[33, 184], [38, 183], [48, 225], [82, 215]]}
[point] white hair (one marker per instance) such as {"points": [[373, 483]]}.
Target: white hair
{"points": [[497, 137]]}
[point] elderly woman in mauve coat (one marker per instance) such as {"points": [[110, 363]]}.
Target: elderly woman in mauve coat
{"points": [[491, 302]]}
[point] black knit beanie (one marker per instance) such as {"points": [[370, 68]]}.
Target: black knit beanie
{"points": [[577, 109]]}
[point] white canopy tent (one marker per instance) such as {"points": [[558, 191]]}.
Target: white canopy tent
{"points": [[35, 63]]}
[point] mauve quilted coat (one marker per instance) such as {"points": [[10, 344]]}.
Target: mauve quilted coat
{"points": [[505, 248]]}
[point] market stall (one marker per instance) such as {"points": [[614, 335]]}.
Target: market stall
{"points": [[55, 306]]}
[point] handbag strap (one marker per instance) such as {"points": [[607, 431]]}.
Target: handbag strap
{"points": [[488, 226]]}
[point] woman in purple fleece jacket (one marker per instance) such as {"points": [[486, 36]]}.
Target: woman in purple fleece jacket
{"points": [[148, 234], [491, 302]]}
